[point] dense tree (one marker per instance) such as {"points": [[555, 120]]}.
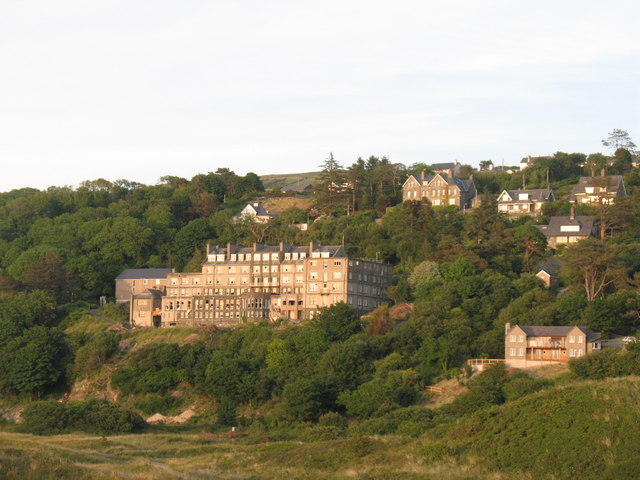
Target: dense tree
{"points": [[596, 264]]}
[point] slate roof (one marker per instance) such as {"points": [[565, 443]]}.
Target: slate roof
{"points": [[552, 266], [464, 184], [259, 209], [612, 182], [142, 273], [556, 331], [150, 293], [550, 331], [535, 195], [333, 250], [555, 223], [444, 166]]}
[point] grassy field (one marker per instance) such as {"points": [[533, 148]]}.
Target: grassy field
{"points": [[204, 455]]}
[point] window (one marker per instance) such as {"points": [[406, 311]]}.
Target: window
{"points": [[521, 352], [521, 338], [572, 339]]}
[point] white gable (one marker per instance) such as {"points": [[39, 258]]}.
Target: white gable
{"points": [[504, 197]]}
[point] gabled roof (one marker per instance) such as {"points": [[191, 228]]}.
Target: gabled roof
{"points": [[259, 210], [444, 166], [613, 183], [554, 229], [150, 293], [142, 273], [463, 184], [535, 195], [552, 266], [412, 177], [550, 331]]}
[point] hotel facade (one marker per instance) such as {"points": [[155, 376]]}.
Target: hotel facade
{"points": [[239, 284]]}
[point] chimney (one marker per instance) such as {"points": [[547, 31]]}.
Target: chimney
{"points": [[281, 246], [423, 174], [228, 251], [602, 173], [208, 248], [572, 215], [507, 327]]}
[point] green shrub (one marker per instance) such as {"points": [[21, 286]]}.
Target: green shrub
{"points": [[91, 416], [410, 421], [45, 418], [522, 384], [607, 363], [154, 403], [96, 352], [332, 419]]}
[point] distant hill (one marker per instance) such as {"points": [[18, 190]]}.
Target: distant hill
{"points": [[289, 179]]}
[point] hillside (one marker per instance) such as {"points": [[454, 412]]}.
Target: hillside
{"points": [[277, 181], [586, 430]]}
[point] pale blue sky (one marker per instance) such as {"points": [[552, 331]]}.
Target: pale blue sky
{"points": [[137, 90]]}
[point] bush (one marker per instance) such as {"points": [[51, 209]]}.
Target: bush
{"points": [[522, 384], [96, 352], [45, 418], [332, 419], [410, 421], [607, 363], [91, 416], [154, 403]]}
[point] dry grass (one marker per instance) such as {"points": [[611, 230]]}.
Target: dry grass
{"points": [[279, 205], [206, 455], [450, 390]]}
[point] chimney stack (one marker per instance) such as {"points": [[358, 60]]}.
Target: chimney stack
{"points": [[423, 174], [507, 327], [572, 215]]}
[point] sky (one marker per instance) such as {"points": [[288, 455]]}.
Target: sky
{"points": [[130, 89]]}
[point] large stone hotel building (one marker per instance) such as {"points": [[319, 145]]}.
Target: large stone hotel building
{"points": [[239, 284]]}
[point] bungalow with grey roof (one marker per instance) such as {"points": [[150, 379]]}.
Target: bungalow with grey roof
{"points": [[517, 203], [604, 189], [567, 230]]}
